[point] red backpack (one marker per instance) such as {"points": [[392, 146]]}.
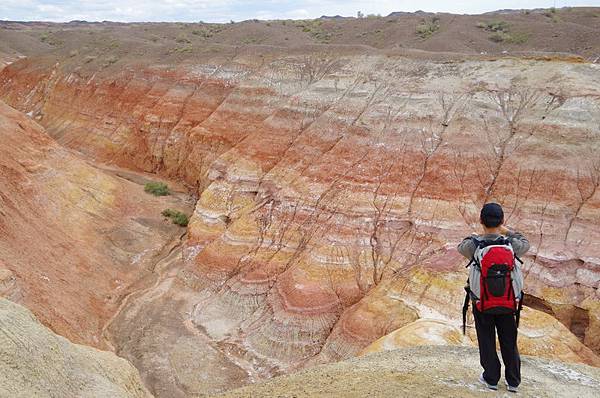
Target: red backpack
{"points": [[495, 281]]}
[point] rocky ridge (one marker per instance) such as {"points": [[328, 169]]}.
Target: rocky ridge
{"points": [[36, 362]]}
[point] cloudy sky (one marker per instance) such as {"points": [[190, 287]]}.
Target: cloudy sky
{"points": [[237, 10]]}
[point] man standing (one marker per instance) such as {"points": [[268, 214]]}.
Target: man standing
{"points": [[493, 306]]}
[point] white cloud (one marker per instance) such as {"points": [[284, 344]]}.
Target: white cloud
{"points": [[224, 10]]}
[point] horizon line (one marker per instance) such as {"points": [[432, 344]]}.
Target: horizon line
{"points": [[366, 16]]}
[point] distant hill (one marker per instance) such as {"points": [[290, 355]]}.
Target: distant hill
{"points": [[566, 30]]}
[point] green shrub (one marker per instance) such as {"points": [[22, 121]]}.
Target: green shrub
{"points": [[176, 217], [428, 28], [511, 38], [494, 26], [551, 13], [50, 39], [181, 50], [202, 33], [315, 29], [517, 38], [498, 37], [157, 188], [501, 32]]}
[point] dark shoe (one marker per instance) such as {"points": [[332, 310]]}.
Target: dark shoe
{"points": [[511, 388], [488, 385]]}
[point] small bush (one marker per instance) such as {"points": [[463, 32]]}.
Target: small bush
{"points": [[181, 50], [50, 39], [204, 33], [494, 26], [517, 38], [113, 59], [511, 38], [498, 37], [157, 188], [428, 28], [176, 217], [552, 14]]}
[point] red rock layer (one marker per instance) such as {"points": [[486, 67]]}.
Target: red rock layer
{"points": [[319, 181]]}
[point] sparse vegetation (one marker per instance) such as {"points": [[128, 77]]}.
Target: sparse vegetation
{"points": [[251, 40], [552, 14], [181, 50], [511, 38], [315, 29], [428, 28], [176, 217], [501, 32], [110, 60], [517, 38], [497, 37], [208, 31], [157, 188], [494, 26], [50, 39]]}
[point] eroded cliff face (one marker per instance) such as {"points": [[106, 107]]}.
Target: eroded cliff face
{"points": [[332, 191], [76, 239]]}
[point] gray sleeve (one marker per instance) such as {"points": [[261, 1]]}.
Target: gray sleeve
{"points": [[467, 247], [519, 243]]}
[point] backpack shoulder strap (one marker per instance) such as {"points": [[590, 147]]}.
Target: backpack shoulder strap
{"points": [[499, 241], [466, 307]]}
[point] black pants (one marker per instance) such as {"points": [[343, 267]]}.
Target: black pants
{"points": [[486, 326]]}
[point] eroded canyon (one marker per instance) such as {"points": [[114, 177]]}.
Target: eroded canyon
{"points": [[328, 188]]}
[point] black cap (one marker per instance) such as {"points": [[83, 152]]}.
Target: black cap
{"points": [[492, 215]]}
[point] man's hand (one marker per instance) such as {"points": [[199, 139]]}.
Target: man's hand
{"points": [[504, 230]]}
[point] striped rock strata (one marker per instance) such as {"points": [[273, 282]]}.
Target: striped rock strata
{"points": [[323, 181]]}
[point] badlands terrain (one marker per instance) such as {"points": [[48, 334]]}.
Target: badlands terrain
{"points": [[329, 168]]}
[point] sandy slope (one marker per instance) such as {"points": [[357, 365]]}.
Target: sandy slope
{"points": [[425, 372], [35, 362]]}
